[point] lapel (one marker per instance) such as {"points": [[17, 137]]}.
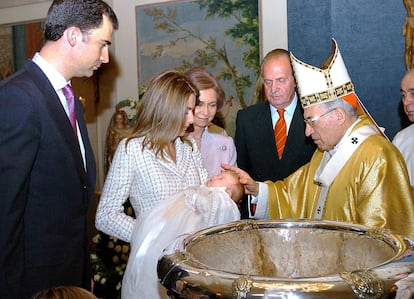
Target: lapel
{"points": [[297, 131], [263, 127], [297, 125], [58, 114], [89, 156], [180, 166]]}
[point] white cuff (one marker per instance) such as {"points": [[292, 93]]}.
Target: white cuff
{"points": [[261, 202]]}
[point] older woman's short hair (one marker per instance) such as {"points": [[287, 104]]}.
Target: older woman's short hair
{"points": [[203, 79]]}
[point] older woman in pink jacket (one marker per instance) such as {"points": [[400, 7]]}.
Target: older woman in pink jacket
{"points": [[215, 145]]}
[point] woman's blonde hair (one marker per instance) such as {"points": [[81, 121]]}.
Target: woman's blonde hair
{"points": [[162, 113], [64, 292]]}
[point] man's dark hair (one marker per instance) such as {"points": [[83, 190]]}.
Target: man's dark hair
{"points": [[84, 14]]}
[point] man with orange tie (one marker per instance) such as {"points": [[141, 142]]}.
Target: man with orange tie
{"points": [[47, 167], [355, 176], [270, 136]]}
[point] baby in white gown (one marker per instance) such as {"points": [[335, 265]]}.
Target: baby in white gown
{"points": [[185, 212]]}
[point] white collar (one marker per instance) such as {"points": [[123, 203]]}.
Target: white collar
{"points": [[289, 110], [56, 79]]}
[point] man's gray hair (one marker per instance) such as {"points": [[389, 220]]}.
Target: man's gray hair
{"points": [[341, 103]]}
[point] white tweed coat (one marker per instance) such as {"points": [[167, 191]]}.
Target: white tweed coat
{"points": [[146, 180]]}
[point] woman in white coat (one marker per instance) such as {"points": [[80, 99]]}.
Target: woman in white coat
{"points": [[157, 160]]}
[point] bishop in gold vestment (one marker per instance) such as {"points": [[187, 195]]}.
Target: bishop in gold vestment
{"points": [[357, 175], [367, 190]]}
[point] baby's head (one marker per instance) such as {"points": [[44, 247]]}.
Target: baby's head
{"points": [[230, 180], [64, 292]]}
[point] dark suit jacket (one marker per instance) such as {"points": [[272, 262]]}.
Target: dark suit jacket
{"points": [[44, 189], [256, 147]]}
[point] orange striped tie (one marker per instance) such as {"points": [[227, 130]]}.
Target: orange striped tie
{"points": [[280, 133]]}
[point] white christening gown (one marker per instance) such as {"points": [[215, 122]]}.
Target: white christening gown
{"points": [[185, 212]]}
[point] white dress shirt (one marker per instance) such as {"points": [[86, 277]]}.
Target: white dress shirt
{"points": [[288, 115], [404, 140]]}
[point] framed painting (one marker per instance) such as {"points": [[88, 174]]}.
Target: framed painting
{"points": [[18, 42], [222, 36]]}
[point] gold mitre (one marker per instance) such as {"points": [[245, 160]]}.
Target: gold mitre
{"points": [[327, 83]]}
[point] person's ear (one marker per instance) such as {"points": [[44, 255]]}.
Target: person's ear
{"points": [[73, 35], [340, 115]]}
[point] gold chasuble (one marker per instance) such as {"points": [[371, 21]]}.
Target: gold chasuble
{"points": [[367, 190]]}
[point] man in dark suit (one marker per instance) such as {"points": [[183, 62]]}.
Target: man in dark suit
{"points": [[255, 139], [47, 168]]}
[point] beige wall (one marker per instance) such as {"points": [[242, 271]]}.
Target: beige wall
{"points": [[119, 80]]}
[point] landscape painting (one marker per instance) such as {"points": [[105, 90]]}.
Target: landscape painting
{"points": [[222, 36]]}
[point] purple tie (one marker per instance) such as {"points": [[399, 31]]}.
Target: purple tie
{"points": [[70, 99]]}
